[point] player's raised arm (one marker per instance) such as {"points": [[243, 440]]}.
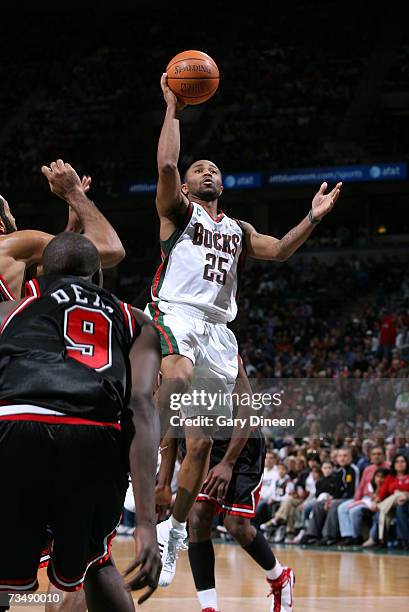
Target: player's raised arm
{"points": [[261, 246], [145, 359], [65, 183], [171, 203], [73, 223]]}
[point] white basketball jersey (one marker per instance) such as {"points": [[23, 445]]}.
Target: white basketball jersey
{"points": [[201, 264]]}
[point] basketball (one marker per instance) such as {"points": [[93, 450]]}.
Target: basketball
{"points": [[193, 76]]}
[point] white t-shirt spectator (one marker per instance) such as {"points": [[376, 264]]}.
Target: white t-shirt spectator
{"points": [[269, 479], [283, 487], [402, 401], [310, 485], [402, 340]]}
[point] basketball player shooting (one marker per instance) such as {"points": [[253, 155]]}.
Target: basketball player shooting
{"points": [[194, 297]]}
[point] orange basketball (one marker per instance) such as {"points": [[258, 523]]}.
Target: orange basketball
{"points": [[193, 76]]}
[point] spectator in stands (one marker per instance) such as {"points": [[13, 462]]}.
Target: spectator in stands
{"points": [[365, 458], [324, 489], [376, 484], [387, 335], [402, 445], [308, 503], [402, 343], [402, 401], [390, 451], [394, 494], [323, 525], [283, 490], [350, 513], [270, 476]]}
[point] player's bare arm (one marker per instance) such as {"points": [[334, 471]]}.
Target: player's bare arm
{"points": [[6, 308], [18, 251], [145, 359], [171, 203], [261, 246], [67, 185], [163, 490], [74, 224]]}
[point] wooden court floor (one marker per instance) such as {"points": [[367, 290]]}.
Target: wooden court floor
{"points": [[331, 581]]}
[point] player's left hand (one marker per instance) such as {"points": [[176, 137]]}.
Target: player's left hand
{"points": [[218, 480], [63, 179], [147, 559], [323, 202]]}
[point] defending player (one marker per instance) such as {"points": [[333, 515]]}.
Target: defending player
{"points": [[21, 249], [194, 297], [232, 487], [76, 365]]}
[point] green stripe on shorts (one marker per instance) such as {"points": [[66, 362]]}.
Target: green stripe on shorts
{"points": [[168, 341]]}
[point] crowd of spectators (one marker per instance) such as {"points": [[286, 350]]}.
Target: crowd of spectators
{"points": [[342, 476], [333, 501]]}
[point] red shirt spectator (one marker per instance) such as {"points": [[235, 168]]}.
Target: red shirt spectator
{"points": [[388, 331], [364, 489], [392, 484]]}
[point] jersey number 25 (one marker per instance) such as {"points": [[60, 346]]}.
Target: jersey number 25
{"points": [[210, 273]]}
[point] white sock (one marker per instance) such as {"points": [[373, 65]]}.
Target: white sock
{"points": [[274, 573], [208, 598], [176, 525]]}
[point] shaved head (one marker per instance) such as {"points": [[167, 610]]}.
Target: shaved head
{"points": [[71, 254], [202, 162]]}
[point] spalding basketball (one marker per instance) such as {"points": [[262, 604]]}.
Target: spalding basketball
{"points": [[193, 76]]}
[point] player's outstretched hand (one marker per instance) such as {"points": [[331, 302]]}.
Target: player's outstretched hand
{"points": [[218, 480], [63, 179], [170, 98], [323, 203], [147, 560]]}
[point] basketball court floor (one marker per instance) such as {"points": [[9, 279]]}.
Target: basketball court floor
{"points": [[327, 581]]}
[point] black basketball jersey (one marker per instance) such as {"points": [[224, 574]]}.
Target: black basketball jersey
{"points": [[64, 352], [5, 293]]}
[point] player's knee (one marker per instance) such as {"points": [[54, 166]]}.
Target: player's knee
{"points": [[200, 523], [98, 571], [240, 529], [179, 373], [198, 449]]}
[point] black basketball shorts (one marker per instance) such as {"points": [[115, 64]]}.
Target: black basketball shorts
{"points": [[60, 483], [244, 490]]}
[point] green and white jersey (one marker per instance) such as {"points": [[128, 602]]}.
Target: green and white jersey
{"points": [[201, 264]]}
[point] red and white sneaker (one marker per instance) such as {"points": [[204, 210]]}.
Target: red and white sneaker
{"points": [[210, 610], [282, 591]]}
